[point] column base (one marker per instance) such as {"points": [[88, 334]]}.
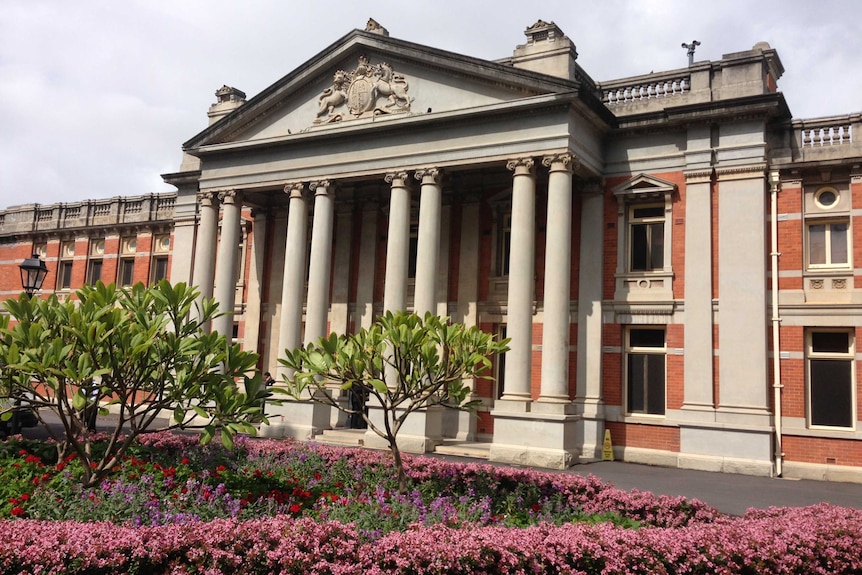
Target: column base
{"points": [[544, 434], [421, 433], [300, 420], [590, 427]]}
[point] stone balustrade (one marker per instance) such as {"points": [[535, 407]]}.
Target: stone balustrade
{"points": [[658, 88], [113, 211]]}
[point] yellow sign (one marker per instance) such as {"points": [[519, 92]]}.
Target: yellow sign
{"points": [[607, 447]]}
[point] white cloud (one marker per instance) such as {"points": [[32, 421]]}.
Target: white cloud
{"points": [[97, 96]]}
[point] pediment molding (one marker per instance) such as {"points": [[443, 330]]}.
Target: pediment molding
{"points": [[644, 187]]}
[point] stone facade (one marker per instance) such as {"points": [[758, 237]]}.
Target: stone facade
{"points": [[672, 255]]}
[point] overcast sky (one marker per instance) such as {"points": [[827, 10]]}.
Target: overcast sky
{"points": [[97, 96]]}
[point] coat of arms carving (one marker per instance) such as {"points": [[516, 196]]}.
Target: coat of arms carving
{"points": [[368, 90]]}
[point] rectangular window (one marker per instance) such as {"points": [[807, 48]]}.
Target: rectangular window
{"points": [[126, 272], [645, 370], [94, 271], [828, 244], [646, 238], [830, 378], [504, 239], [64, 275], [160, 269]]}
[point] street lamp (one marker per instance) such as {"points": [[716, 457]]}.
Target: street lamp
{"points": [[33, 272]]}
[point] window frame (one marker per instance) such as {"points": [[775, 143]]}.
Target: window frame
{"points": [[828, 222], [65, 266], [649, 222], [849, 357], [630, 351]]}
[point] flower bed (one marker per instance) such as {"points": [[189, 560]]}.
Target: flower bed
{"points": [[287, 507]]}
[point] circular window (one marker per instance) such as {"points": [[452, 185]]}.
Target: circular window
{"points": [[826, 198]]}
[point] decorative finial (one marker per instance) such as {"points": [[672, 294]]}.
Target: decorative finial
{"points": [[375, 28], [691, 48]]}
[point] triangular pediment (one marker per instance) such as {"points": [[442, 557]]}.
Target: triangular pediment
{"points": [[364, 78], [644, 186]]}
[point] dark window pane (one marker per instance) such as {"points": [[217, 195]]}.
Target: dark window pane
{"points": [[656, 246], [830, 342], [646, 383], [64, 276], [160, 269], [95, 272], [651, 212], [655, 385], [636, 382], [127, 272], [838, 243], [646, 338], [640, 248], [831, 392]]}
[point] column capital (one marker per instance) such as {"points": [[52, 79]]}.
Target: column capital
{"points": [[230, 196], [397, 179], [564, 162], [208, 198], [521, 166], [321, 187], [295, 190], [428, 175]]}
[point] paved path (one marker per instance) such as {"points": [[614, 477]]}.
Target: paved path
{"points": [[730, 493]]}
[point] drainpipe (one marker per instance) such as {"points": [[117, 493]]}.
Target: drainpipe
{"points": [[774, 186]]}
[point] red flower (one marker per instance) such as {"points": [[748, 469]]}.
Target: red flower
{"points": [[185, 461], [221, 468], [61, 466], [25, 497], [295, 508], [32, 459], [17, 511]]}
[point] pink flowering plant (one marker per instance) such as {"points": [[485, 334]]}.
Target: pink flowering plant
{"points": [[175, 506]]}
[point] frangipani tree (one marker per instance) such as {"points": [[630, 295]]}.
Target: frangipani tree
{"points": [[150, 354], [404, 362]]}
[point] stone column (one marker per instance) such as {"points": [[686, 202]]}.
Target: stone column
{"points": [[521, 279], [339, 307], [558, 272], [290, 332], [367, 264], [205, 243], [467, 309], [397, 244], [430, 206], [588, 398], [299, 420], [226, 264], [256, 276], [320, 262]]}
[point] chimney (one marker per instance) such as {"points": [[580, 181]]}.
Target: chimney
{"points": [[547, 51], [228, 100]]}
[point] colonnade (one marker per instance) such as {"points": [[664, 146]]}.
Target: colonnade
{"points": [[520, 306]]}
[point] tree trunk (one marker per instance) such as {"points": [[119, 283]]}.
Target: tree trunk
{"points": [[399, 467]]}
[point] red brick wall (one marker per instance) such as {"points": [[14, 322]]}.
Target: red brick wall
{"points": [[822, 451], [644, 436]]}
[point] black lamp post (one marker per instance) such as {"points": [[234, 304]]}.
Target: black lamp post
{"points": [[33, 272]]}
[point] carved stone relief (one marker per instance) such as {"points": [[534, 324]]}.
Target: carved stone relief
{"points": [[369, 90]]}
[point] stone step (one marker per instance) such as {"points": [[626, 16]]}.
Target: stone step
{"points": [[342, 436], [464, 449]]}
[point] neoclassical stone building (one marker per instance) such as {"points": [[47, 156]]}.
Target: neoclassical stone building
{"points": [[672, 255]]}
